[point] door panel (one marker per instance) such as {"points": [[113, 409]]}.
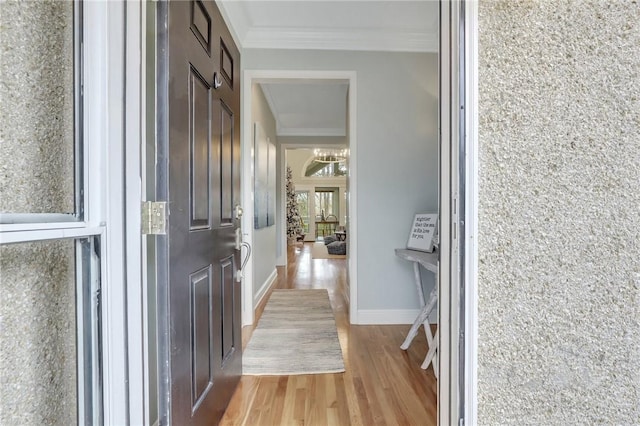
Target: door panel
{"points": [[201, 24], [227, 284], [226, 131], [226, 59], [199, 113], [202, 350], [201, 306]]}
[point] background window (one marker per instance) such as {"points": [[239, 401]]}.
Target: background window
{"points": [[326, 202], [302, 200]]}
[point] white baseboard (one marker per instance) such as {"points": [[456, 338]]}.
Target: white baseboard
{"points": [[392, 316], [257, 298], [282, 260]]}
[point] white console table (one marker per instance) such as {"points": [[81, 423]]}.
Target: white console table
{"points": [[430, 263]]}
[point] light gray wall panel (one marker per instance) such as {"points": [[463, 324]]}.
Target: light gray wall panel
{"points": [[559, 237], [264, 240]]}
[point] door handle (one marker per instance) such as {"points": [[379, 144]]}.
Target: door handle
{"points": [[246, 259], [239, 272]]}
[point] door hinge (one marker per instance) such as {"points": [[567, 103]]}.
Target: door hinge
{"points": [[154, 217]]}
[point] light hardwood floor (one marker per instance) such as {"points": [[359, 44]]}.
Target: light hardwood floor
{"points": [[382, 384]]}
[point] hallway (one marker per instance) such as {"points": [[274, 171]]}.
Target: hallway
{"points": [[382, 384]]}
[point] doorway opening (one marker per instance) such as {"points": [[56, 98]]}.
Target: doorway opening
{"points": [[321, 194], [255, 286]]}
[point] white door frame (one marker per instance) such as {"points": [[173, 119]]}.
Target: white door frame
{"points": [[457, 389], [256, 76], [458, 313], [472, 141]]}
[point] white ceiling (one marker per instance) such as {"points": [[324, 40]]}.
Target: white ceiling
{"points": [[308, 108], [382, 25], [319, 108]]}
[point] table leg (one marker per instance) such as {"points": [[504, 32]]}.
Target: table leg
{"points": [[432, 354], [418, 279], [423, 318]]}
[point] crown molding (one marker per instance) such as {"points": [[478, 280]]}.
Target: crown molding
{"points": [[272, 105], [330, 39]]}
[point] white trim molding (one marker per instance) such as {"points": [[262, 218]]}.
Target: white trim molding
{"points": [[114, 297], [447, 396], [331, 39], [246, 183], [136, 281], [265, 287], [458, 319], [104, 132], [471, 215]]}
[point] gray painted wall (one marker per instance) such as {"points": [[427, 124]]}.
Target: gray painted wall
{"points": [[397, 158], [264, 240], [559, 237]]}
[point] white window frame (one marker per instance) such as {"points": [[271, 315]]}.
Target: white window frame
{"points": [[458, 313], [470, 408], [111, 125]]}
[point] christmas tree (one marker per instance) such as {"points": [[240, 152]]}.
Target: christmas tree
{"points": [[294, 224]]}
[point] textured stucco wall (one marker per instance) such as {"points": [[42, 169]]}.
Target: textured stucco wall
{"points": [[37, 282], [38, 334], [559, 271], [36, 107]]}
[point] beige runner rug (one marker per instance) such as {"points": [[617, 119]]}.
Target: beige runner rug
{"points": [[296, 335]]}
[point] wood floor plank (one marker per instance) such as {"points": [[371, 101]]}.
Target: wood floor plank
{"points": [[288, 411], [382, 384], [344, 401], [300, 402]]}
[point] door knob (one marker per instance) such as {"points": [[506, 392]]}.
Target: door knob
{"points": [[216, 80], [239, 211]]}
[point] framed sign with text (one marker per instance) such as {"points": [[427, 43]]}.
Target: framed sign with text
{"points": [[423, 232]]}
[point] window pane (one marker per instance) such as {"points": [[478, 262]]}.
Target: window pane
{"points": [[50, 366], [324, 204], [302, 200], [316, 169], [37, 147], [38, 346]]}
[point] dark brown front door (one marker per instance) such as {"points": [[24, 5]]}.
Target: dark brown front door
{"points": [[199, 70]]}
